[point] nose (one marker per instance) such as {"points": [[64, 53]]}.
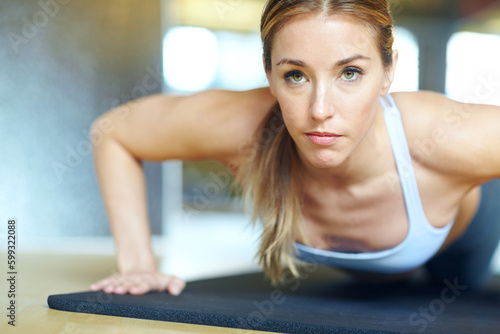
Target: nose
{"points": [[321, 107]]}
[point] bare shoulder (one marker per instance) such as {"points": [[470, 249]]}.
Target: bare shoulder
{"points": [[428, 103], [212, 124], [451, 137]]}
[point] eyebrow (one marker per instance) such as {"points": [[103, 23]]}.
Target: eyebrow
{"points": [[342, 62]]}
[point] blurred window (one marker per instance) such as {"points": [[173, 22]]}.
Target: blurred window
{"points": [[406, 77], [473, 74]]}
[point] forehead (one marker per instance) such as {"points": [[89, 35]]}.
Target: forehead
{"points": [[313, 36]]}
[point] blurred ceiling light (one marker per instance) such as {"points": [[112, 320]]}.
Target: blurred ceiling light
{"points": [[189, 58], [222, 14]]}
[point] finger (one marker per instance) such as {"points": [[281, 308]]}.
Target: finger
{"points": [[140, 288], [136, 284], [95, 286], [163, 281], [112, 283], [109, 288], [121, 289], [99, 285], [121, 284], [176, 285]]}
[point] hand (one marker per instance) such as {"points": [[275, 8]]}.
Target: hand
{"points": [[140, 283]]}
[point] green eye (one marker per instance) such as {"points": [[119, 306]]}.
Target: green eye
{"points": [[295, 77], [351, 74]]}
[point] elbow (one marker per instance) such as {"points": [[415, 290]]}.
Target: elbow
{"points": [[102, 129], [105, 136]]}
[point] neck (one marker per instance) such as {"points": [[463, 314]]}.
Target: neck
{"points": [[363, 164]]}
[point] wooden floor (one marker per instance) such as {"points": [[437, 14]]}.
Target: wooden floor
{"points": [[42, 275]]}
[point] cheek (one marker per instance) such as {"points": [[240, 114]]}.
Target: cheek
{"points": [[360, 115], [292, 110], [291, 119], [367, 114]]}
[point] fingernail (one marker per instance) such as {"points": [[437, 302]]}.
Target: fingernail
{"points": [[175, 290]]}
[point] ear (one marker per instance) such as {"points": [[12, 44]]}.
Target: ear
{"points": [[268, 75], [389, 74]]}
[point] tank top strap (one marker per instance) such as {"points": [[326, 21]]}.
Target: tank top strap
{"points": [[404, 165]]}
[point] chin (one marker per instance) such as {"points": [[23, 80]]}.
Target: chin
{"points": [[321, 158], [325, 160], [326, 164]]}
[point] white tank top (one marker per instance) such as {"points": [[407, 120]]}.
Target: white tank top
{"points": [[422, 241]]}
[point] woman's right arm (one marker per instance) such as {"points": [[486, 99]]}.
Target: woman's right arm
{"points": [[207, 125]]}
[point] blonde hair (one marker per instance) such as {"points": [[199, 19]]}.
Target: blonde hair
{"points": [[269, 176]]}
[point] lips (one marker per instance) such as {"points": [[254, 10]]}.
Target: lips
{"points": [[323, 138]]}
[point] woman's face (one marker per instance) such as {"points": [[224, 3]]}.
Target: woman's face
{"points": [[327, 75]]}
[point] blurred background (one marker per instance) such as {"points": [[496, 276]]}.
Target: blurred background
{"points": [[65, 62]]}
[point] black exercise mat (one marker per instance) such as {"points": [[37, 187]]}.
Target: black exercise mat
{"points": [[319, 303]]}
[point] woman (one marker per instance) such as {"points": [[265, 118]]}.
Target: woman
{"points": [[332, 163]]}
